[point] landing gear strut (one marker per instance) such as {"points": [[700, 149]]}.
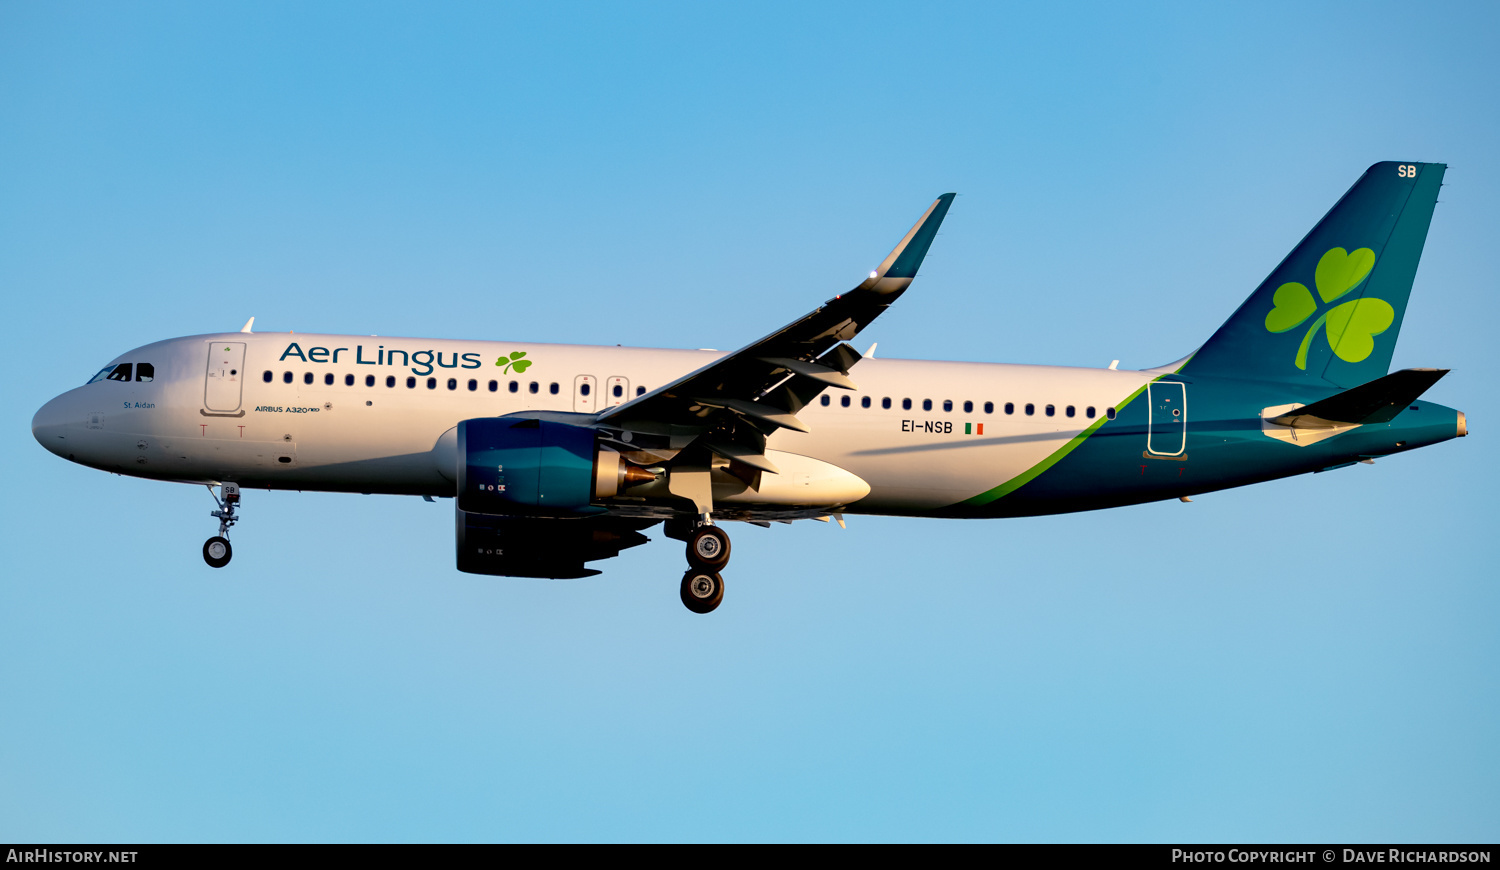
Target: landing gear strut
{"points": [[707, 554], [216, 550]]}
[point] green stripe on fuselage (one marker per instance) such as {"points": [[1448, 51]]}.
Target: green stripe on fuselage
{"points": [[1035, 471]]}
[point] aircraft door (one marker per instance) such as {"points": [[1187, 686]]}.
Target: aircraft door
{"points": [[585, 394], [616, 391], [225, 376], [1168, 425]]}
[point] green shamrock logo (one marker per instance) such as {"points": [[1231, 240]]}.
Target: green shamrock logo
{"points": [[1351, 327], [514, 363]]}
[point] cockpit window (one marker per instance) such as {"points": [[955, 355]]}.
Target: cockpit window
{"points": [[143, 372]]}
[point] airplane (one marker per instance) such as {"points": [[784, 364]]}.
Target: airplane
{"points": [[561, 455]]}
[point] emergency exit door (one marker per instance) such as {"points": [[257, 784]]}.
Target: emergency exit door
{"points": [[585, 394], [616, 391]]}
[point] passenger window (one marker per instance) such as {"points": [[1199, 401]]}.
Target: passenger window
{"points": [[640, 391], [1070, 411], [553, 389], [968, 407], [494, 386], [348, 380], [825, 400], [307, 377], [906, 404], [583, 389], [844, 401], [1010, 407], [948, 405], [121, 372], [619, 391], [286, 377], [453, 384], [1089, 412], [1110, 413], [1030, 409], [1051, 411], [328, 379], [515, 386], [989, 407], [927, 404], [432, 383], [886, 403], [267, 376], [390, 381], [864, 402], [473, 385], [411, 383], [146, 372], [535, 388], [369, 380]]}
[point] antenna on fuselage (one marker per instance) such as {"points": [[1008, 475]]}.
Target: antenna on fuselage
{"points": [[246, 328]]}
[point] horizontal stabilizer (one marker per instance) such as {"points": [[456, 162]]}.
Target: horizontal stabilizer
{"points": [[1379, 401]]}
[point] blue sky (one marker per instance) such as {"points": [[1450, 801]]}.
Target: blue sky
{"points": [[1308, 660]]}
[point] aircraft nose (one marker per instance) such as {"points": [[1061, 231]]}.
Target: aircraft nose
{"points": [[49, 426]]}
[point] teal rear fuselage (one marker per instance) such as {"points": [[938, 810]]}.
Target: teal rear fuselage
{"points": [[1224, 444]]}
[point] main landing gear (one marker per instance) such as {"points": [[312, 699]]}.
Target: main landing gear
{"points": [[702, 590], [707, 554], [216, 550], [708, 548]]}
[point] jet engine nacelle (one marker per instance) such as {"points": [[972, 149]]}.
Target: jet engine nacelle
{"points": [[542, 547], [525, 466]]}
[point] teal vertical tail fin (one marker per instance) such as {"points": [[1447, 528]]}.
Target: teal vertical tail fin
{"points": [[1330, 312]]}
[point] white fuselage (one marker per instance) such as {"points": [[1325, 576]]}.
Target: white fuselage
{"points": [[271, 418]]}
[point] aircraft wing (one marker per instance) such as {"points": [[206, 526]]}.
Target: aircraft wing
{"points": [[761, 387]]}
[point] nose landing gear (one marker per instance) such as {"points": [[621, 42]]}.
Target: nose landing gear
{"points": [[216, 550]]}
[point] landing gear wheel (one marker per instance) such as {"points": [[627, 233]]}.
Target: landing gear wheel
{"points": [[217, 552], [702, 591], [708, 548]]}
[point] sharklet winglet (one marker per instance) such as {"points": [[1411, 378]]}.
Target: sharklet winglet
{"points": [[899, 267]]}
